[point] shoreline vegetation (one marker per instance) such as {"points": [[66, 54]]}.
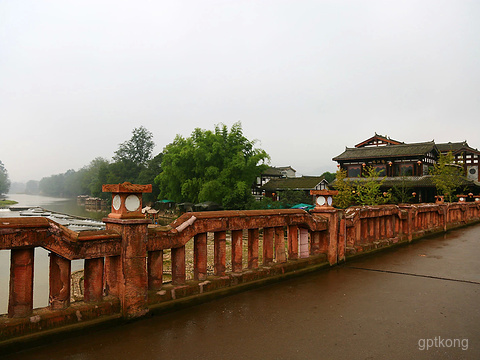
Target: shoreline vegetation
{"points": [[7, 202]]}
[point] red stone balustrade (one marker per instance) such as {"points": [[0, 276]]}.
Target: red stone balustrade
{"points": [[125, 266]]}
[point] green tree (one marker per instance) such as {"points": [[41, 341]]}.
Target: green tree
{"points": [[345, 188], [292, 197], [91, 178], [32, 187], [367, 192], [402, 193], [330, 177], [4, 179], [147, 176], [138, 149], [219, 166], [447, 176]]}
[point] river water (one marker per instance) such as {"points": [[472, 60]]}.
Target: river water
{"points": [[61, 205]]}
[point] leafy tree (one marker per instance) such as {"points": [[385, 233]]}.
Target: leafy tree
{"points": [[219, 166], [402, 193], [292, 197], [91, 178], [138, 149], [330, 177], [53, 185], [4, 179], [368, 192], [345, 188], [147, 176], [32, 187], [447, 176]]}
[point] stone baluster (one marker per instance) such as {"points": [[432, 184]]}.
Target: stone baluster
{"points": [[59, 278], [178, 266], [220, 249], [200, 257], [253, 235], [93, 280], [292, 242], [280, 255], [268, 245], [155, 269], [20, 302], [303, 243], [112, 275], [237, 242]]}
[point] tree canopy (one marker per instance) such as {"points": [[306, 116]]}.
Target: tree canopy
{"points": [[138, 149], [219, 166], [132, 162], [4, 179], [447, 176]]}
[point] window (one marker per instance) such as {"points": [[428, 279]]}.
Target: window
{"points": [[381, 169], [353, 171], [404, 169]]}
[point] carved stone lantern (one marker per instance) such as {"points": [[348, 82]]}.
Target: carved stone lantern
{"points": [[323, 198], [126, 200]]}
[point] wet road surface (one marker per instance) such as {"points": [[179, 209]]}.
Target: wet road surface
{"points": [[386, 306]]}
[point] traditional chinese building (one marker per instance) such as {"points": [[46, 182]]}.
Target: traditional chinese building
{"points": [[408, 165], [275, 187]]}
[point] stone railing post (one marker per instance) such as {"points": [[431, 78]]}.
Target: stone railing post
{"points": [[323, 201], [20, 302], [127, 219]]}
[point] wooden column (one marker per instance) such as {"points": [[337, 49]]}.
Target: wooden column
{"points": [[200, 256], [237, 237], [178, 265], [253, 235], [93, 280], [268, 246], [220, 249], [280, 255], [155, 269], [59, 278], [20, 301], [293, 242]]}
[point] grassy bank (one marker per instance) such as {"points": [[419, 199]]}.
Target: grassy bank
{"points": [[7, 202]]}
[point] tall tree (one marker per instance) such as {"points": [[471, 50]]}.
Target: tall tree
{"points": [[367, 192], [4, 179], [138, 149], [447, 176], [219, 166], [345, 197]]}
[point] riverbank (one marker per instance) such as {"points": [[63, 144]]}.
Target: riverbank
{"points": [[6, 203]]}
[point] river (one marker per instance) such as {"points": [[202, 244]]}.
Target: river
{"points": [[61, 205]]}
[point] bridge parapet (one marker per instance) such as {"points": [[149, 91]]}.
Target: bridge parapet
{"points": [[134, 266]]}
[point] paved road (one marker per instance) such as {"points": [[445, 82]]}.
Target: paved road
{"points": [[420, 301]]}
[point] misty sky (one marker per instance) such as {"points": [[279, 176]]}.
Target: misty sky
{"points": [[305, 78]]}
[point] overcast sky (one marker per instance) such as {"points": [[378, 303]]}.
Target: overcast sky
{"points": [[305, 78]]}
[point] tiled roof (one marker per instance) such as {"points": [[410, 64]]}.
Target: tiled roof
{"points": [[379, 137], [273, 171], [454, 147], [388, 151], [297, 183]]}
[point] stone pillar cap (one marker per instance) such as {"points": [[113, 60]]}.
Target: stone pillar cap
{"points": [[127, 187]]}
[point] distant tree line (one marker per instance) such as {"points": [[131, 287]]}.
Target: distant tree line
{"points": [[132, 162], [4, 179]]}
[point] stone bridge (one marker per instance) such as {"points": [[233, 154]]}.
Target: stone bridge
{"points": [[133, 268]]}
